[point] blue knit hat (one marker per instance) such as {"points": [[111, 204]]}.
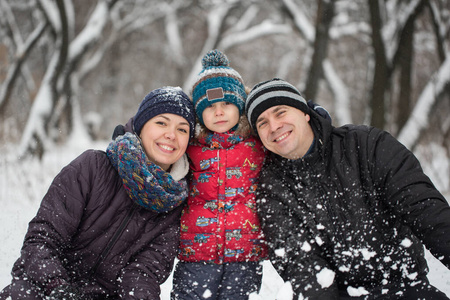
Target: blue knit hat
{"points": [[217, 82], [164, 100]]}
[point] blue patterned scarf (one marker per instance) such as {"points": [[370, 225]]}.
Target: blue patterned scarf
{"points": [[146, 183]]}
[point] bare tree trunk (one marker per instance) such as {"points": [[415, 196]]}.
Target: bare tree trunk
{"points": [[435, 91], [381, 72], [14, 71], [405, 60], [435, 21], [325, 14], [336, 85], [62, 59]]}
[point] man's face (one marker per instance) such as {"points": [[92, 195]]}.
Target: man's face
{"points": [[285, 131]]}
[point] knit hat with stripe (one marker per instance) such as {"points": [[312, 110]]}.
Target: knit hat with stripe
{"points": [[270, 93], [217, 82]]}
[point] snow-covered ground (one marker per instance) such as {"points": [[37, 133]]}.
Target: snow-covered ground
{"points": [[23, 184]]}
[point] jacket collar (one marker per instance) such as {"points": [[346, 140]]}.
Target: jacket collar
{"points": [[217, 140]]}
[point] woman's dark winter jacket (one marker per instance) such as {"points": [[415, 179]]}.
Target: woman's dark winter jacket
{"points": [[89, 232], [352, 214]]}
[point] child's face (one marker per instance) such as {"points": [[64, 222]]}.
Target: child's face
{"points": [[220, 116]]}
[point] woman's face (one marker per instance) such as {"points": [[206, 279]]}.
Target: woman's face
{"points": [[165, 138]]}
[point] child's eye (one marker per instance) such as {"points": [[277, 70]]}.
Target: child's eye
{"points": [[227, 103]]}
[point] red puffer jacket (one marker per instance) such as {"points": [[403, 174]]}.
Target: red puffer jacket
{"points": [[219, 223]]}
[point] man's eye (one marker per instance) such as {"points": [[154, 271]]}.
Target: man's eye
{"points": [[281, 112]]}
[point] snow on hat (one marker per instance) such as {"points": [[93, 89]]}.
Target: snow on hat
{"points": [[164, 100], [217, 82], [272, 93]]}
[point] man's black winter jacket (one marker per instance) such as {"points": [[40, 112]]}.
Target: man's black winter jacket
{"points": [[352, 214]]}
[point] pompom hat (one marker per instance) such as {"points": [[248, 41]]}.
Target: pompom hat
{"points": [[217, 82], [270, 93], [164, 100]]}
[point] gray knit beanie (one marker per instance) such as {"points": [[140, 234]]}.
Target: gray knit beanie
{"points": [[270, 93]]}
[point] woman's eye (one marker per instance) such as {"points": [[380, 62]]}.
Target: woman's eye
{"points": [[183, 130], [160, 123]]}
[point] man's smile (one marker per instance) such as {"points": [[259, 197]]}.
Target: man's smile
{"points": [[282, 137]]}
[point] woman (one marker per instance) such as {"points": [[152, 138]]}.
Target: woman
{"points": [[108, 226]]}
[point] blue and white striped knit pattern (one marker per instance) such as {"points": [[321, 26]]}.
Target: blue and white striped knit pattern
{"points": [[217, 73], [146, 183]]}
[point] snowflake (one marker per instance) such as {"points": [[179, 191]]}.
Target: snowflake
{"points": [[280, 252], [207, 294], [325, 277], [306, 247], [406, 243], [357, 292]]}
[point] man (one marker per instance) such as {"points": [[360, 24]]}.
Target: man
{"points": [[345, 210]]}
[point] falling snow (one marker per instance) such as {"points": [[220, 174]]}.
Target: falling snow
{"points": [[280, 252], [357, 292], [325, 277], [406, 243], [20, 203]]}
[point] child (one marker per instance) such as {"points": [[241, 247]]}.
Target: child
{"points": [[221, 242]]}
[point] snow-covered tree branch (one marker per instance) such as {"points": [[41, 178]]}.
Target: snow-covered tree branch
{"points": [[61, 65]]}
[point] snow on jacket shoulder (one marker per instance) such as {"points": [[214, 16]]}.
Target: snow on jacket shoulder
{"points": [[89, 232], [219, 223], [354, 213]]}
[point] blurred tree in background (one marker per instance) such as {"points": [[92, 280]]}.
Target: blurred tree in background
{"points": [[75, 69]]}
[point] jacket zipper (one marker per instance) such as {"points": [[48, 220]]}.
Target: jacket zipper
{"points": [[114, 239]]}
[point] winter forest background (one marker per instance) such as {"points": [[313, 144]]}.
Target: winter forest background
{"points": [[71, 70]]}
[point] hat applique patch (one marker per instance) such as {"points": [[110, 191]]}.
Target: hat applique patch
{"points": [[214, 94]]}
